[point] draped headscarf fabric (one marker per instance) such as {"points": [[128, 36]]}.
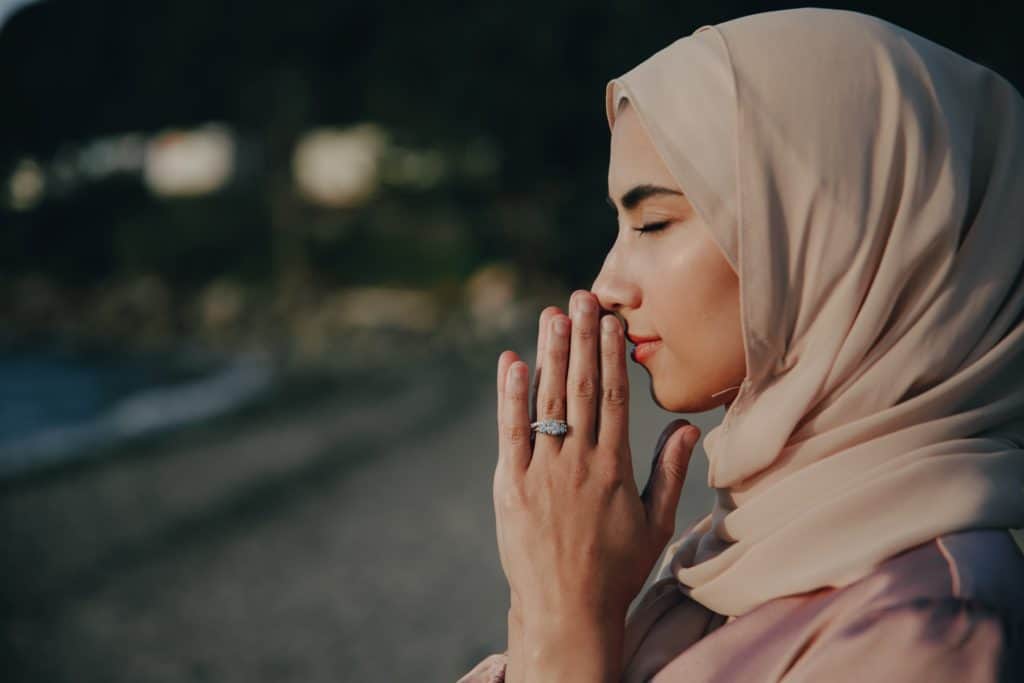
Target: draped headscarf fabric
{"points": [[867, 185]]}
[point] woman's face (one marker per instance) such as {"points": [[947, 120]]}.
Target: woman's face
{"points": [[673, 284]]}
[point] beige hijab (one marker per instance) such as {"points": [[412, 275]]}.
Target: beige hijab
{"points": [[867, 185]]}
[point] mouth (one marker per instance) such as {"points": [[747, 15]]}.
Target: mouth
{"points": [[643, 348]]}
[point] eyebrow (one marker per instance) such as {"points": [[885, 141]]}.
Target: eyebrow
{"points": [[632, 198]]}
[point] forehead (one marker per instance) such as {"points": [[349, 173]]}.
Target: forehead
{"points": [[633, 160]]}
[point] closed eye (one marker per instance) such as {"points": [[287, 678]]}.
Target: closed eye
{"points": [[653, 227]]}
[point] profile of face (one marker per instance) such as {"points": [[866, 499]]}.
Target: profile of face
{"points": [[671, 282]]}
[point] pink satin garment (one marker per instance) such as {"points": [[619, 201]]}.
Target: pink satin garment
{"points": [[950, 610]]}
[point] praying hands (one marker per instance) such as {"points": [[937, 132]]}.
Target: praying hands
{"points": [[576, 538]]}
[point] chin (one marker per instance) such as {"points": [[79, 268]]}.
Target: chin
{"points": [[683, 403], [670, 403], [657, 400]]}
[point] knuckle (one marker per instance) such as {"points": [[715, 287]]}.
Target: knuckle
{"points": [[552, 405], [579, 474], [614, 395], [611, 479], [605, 468], [516, 394], [509, 496], [584, 387], [586, 331], [516, 433]]}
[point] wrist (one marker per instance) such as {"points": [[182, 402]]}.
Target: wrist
{"points": [[573, 649], [514, 662]]}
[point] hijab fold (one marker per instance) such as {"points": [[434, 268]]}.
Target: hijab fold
{"points": [[867, 185]]}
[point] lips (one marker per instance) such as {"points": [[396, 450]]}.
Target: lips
{"points": [[645, 347]]}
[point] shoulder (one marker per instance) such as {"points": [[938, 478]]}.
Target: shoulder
{"points": [[984, 567], [948, 609], [980, 571]]}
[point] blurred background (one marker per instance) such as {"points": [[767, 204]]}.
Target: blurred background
{"points": [[257, 262]]}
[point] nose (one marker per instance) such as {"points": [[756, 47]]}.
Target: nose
{"points": [[614, 288]]}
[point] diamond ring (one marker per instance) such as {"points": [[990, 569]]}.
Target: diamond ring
{"points": [[552, 427]]}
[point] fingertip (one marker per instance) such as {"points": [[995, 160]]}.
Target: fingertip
{"points": [[561, 325], [505, 359], [549, 311], [580, 293], [687, 433]]}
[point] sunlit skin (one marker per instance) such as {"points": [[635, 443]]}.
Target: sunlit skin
{"points": [[674, 284]]}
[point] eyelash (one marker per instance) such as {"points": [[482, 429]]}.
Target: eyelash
{"points": [[652, 227]]}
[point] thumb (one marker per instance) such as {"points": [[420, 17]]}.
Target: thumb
{"points": [[668, 473]]}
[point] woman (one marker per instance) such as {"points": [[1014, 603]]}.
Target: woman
{"points": [[831, 212]]}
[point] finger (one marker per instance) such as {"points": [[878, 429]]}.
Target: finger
{"points": [[659, 448], [504, 361], [614, 412], [514, 450], [668, 474], [551, 395], [582, 386], [542, 335]]}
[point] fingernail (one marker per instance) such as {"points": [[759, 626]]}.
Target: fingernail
{"points": [[561, 325], [515, 375], [608, 323], [584, 304]]}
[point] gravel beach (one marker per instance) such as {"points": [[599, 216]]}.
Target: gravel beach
{"points": [[349, 540]]}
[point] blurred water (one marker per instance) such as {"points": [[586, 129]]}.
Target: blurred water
{"points": [[56, 405]]}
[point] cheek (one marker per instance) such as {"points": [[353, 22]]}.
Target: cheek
{"points": [[697, 309]]}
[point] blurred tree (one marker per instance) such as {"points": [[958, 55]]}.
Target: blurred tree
{"points": [[528, 76]]}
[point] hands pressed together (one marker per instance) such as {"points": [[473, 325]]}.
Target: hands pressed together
{"points": [[577, 540]]}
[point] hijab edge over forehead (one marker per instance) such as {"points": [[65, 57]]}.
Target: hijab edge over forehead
{"points": [[711, 186]]}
